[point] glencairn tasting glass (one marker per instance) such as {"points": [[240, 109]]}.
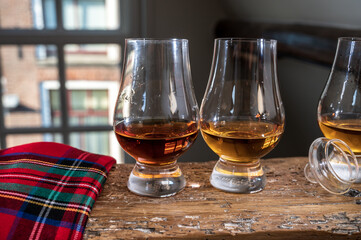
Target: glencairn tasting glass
{"points": [[156, 113], [339, 108], [242, 115]]}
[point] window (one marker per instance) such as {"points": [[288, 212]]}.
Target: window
{"points": [[89, 104], [60, 69]]}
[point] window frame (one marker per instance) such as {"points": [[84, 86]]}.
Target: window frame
{"points": [[131, 18]]}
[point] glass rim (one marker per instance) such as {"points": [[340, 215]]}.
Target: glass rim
{"points": [[351, 39], [156, 40], [241, 39]]}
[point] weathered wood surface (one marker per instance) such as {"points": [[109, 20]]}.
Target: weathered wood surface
{"points": [[289, 208]]}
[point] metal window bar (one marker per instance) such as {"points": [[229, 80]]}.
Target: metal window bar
{"points": [[59, 37]]}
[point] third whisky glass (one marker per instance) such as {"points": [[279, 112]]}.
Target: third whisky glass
{"points": [[156, 114], [242, 115], [339, 108]]}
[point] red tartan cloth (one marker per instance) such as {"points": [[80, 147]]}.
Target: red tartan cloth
{"points": [[47, 190]]}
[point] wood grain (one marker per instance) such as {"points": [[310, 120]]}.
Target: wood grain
{"points": [[289, 208]]}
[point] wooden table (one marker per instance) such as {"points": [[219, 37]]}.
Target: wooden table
{"points": [[289, 208]]}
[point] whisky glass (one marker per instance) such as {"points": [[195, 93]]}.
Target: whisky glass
{"points": [[242, 115], [156, 114], [339, 108]]}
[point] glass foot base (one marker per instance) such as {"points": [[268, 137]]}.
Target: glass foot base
{"points": [[156, 181], [238, 177]]}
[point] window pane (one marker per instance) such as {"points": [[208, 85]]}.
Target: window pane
{"points": [[89, 107], [78, 100], [107, 55], [77, 14], [55, 100], [90, 14], [28, 76], [99, 100], [48, 14], [93, 74], [28, 14], [95, 142], [18, 139]]}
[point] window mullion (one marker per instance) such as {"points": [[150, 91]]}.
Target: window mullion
{"points": [[2, 114], [28, 130], [63, 94], [62, 78], [59, 15]]}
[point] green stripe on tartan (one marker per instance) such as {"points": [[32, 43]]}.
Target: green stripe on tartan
{"points": [[54, 169], [22, 165], [45, 193]]}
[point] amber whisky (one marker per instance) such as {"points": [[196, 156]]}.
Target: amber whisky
{"points": [[241, 141], [156, 142], [348, 130]]}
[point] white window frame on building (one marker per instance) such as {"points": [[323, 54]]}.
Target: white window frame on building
{"points": [[109, 86]]}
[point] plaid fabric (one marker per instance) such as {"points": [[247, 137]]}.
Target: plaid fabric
{"points": [[47, 190]]}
